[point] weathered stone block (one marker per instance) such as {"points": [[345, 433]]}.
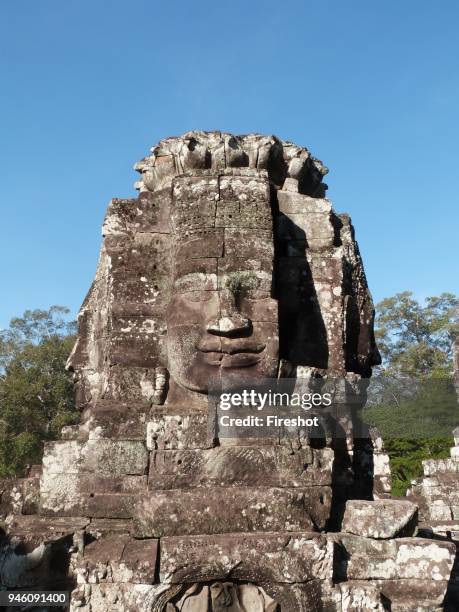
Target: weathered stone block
{"points": [[242, 242], [440, 510], [419, 595], [246, 189], [204, 243], [33, 530], [361, 567], [114, 458], [17, 496], [354, 545], [276, 466], [102, 456], [360, 596], [92, 484], [92, 478], [176, 432], [115, 420], [440, 466], [297, 203], [389, 562], [110, 597], [62, 494], [62, 457], [232, 509], [119, 216], [316, 228], [381, 518], [273, 557], [117, 558], [424, 559], [133, 383]]}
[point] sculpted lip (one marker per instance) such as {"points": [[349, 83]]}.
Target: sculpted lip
{"points": [[234, 357], [240, 360]]}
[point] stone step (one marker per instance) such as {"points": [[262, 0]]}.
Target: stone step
{"points": [[231, 509], [275, 466]]}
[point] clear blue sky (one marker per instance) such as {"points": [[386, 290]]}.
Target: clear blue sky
{"points": [[87, 86]]}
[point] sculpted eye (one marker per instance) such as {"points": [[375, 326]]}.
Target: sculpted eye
{"points": [[257, 294], [197, 296]]}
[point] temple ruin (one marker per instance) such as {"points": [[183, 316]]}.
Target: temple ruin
{"points": [[230, 259]]}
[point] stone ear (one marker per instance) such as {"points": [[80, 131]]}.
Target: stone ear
{"points": [[160, 386]]}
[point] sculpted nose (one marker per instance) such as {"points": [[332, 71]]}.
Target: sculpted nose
{"points": [[230, 322], [229, 326]]}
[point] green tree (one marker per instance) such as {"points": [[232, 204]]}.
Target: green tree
{"points": [[417, 407], [416, 339], [36, 392]]}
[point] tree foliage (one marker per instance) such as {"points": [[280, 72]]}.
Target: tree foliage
{"points": [[36, 392], [415, 426], [417, 406], [416, 339]]}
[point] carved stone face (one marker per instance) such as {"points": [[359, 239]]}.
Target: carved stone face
{"points": [[222, 319], [204, 222]]}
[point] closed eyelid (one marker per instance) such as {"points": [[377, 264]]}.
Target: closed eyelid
{"points": [[257, 294], [197, 281], [197, 296]]}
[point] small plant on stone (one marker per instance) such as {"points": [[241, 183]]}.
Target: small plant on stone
{"points": [[239, 284]]}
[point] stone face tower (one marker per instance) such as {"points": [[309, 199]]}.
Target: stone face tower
{"points": [[213, 207], [230, 262]]}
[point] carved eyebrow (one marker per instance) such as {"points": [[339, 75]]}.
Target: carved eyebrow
{"points": [[259, 279], [208, 281]]}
